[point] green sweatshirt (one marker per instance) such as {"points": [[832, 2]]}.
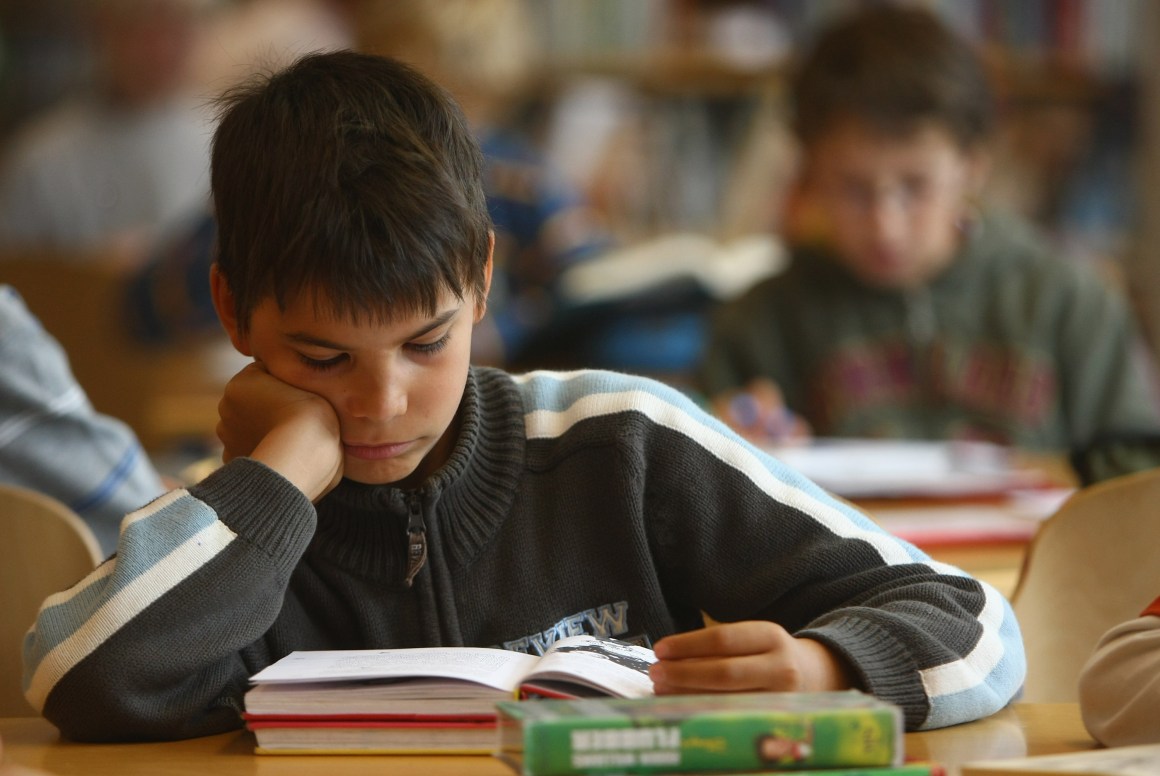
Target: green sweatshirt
{"points": [[1011, 344]]}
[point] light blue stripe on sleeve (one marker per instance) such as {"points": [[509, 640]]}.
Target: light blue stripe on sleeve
{"points": [[993, 689], [161, 545], [140, 550], [555, 401]]}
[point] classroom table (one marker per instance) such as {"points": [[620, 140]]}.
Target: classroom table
{"points": [[995, 556], [1019, 730], [997, 560]]}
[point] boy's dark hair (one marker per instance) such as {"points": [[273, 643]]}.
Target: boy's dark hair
{"points": [[352, 178], [892, 67]]}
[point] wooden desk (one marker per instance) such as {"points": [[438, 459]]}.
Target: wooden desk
{"points": [[988, 540], [1024, 729], [985, 535]]}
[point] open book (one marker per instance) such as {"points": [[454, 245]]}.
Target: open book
{"points": [[1141, 760], [428, 698]]}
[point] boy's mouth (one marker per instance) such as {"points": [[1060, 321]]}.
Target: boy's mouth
{"points": [[377, 452]]}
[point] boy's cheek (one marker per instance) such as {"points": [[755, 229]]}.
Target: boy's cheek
{"points": [[292, 372]]}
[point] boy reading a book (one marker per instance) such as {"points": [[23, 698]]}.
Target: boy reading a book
{"points": [[906, 311], [380, 492]]}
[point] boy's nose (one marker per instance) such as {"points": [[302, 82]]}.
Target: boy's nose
{"points": [[888, 216], [378, 397]]}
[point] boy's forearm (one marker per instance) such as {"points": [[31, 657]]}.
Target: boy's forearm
{"points": [[944, 653], [148, 646], [943, 646], [295, 452]]}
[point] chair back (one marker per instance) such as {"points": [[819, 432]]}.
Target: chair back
{"points": [[1091, 565], [47, 548]]}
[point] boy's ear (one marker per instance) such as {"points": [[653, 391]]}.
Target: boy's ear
{"points": [[223, 303], [481, 303]]}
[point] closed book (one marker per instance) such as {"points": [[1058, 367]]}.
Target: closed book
{"points": [[735, 732], [371, 736], [906, 769]]}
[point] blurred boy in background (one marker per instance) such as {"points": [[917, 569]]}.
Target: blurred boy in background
{"points": [[908, 310]]}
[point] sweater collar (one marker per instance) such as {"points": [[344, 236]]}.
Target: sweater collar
{"points": [[463, 502]]}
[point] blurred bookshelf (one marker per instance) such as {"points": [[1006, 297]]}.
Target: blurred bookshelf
{"points": [[671, 91], [662, 109], [670, 115]]}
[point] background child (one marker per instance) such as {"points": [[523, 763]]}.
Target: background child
{"points": [[51, 439], [460, 505], [909, 311], [101, 174]]}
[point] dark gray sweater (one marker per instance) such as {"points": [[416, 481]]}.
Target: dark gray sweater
{"points": [[572, 503]]}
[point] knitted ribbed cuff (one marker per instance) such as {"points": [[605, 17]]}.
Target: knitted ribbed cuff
{"points": [[262, 507], [884, 664]]}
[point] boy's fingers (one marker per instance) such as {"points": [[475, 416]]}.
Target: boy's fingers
{"points": [[732, 639], [734, 674]]}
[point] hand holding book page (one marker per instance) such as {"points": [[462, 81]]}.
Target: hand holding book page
{"points": [[445, 680]]}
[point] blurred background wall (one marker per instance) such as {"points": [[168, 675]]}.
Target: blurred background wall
{"points": [[666, 116]]}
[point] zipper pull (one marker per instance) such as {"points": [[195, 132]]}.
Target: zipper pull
{"points": [[416, 541]]}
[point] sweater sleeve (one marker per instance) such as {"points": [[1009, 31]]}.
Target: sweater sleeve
{"points": [[156, 643], [741, 536], [1119, 686]]}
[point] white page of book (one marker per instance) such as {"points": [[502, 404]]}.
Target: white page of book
{"points": [[619, 668], [498, 668], [1139, 760], [868, 468]]}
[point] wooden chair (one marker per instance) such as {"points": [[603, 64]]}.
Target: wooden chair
{"points": [[1091, 565], [47, 548]]}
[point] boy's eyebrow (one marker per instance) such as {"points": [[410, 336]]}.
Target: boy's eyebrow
{"points": [[309, 339]]}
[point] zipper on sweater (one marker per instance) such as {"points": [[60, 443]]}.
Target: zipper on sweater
{"points": [[921, 321], [922, 327], [416, 538]]}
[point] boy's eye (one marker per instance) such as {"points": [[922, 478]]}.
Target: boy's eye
{"points": [[322, 364], [915, 188], [430, 348], [855, 193]]}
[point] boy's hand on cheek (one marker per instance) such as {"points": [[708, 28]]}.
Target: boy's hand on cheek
{"points": [[292, 431], [747, 656]]}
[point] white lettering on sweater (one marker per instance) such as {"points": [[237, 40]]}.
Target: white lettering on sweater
{"points": [[604, 621]]}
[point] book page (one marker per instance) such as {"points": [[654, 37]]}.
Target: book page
{"points": [[498, 668], [613, 667], [1142, 760], [878, 468]]}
